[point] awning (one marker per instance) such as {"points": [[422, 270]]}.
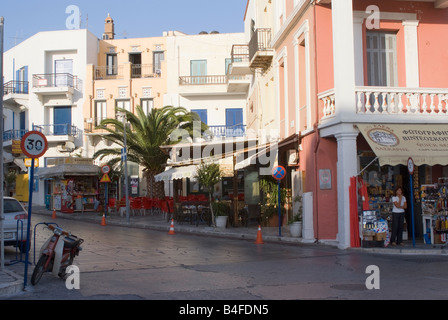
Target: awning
{"points": [[63, 170], [393, 144], [177, 173]]}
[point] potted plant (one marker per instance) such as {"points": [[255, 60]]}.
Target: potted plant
{"points": [[208, 175], [221, 210], [295, 224]]}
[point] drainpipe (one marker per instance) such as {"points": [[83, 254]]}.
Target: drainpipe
{"points": [[316, 125]]}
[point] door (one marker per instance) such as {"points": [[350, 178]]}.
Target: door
{"points": [[158, 57], [234, 122], [136, 60], [63, 72], [62, 119]]}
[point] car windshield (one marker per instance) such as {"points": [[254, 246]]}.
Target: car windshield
{"points": [[11, 205]]}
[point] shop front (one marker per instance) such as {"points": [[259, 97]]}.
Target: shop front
{"points": [[71, 185], [383, 154]]}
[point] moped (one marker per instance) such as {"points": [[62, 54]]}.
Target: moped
{"points": [[57, 253]]}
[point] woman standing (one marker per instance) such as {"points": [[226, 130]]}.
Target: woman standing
{"points": [[398, 211]]}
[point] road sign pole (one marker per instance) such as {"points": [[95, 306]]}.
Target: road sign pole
{"points": [[30, 203], [279, 211]]}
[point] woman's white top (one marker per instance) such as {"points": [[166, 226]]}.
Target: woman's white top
{"points": [[395, 199]]}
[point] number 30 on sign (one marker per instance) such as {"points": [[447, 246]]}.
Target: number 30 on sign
{"points": [[34, 144]]}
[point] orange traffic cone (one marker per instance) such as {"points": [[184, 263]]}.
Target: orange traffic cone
{"points": [[103, 221], [171, 227], [54, 214], [259, 236]]}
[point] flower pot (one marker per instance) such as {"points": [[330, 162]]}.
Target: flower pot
{"points": [[295, 229], [221, 221]]}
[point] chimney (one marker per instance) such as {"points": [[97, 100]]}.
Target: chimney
{"points": [[109, 33]]}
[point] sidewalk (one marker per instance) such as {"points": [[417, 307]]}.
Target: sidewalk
{"points": [[11, 283]]}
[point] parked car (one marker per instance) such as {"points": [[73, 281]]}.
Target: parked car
{"points": [[14, 231]]}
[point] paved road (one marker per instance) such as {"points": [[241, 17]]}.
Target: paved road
{"points": [[128, 263]]}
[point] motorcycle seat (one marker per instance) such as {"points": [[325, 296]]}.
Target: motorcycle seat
{"points": [[70, 242]]}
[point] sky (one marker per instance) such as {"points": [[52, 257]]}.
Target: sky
{"points": [[132, 18]]}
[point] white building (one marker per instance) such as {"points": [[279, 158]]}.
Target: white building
{"points": [[198, 80], [44, 90]]}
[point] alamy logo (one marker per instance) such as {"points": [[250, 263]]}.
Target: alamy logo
{"points": [[73, 21], [72, 281], [373, 20], [373, 281]]}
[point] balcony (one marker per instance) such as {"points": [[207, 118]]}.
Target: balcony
{"points": [[238, 83], [11, 139], [260, 51], [109, 72], [226, 131], [390, 102], [202, 85], [56, 84], [240, 60], [58, 132], [144, 71], [92, 126], [15, 94]]}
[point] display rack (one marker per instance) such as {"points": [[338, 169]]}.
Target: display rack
{"points": [[435, 211]]}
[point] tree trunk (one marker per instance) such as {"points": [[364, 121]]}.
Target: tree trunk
{"points": [[155, 189], [211, 210]]}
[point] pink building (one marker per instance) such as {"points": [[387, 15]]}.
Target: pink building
{"points": [[354, 88]]}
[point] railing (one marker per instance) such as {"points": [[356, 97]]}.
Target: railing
{"points": [[260, 41], [227, 131], [240, 53], [52, 80], [93, 125], [392, 101], [202, 80], [57, 129], [15, 87], [144, 71], [109, 72], [14, 134]]}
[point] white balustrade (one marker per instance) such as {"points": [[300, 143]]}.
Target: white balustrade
{"points": [[392, 100]]}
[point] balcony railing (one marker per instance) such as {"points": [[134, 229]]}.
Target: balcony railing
{"points": [[202, 80], [14, 134], [240, 53], [392, 101], [53, 80], [260, 41], [109, 72], [15, 87], [57, 129], [145, 71], [227, 131]]}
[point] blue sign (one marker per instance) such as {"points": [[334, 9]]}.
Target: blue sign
{"points": [[278, 172]]}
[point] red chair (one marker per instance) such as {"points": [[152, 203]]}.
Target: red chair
{"points": [[136, 205], [156, 203], [183, 199], [146, 205], [164, 208], [112, 205]]}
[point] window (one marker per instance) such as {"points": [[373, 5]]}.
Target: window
{"points": [[111, 63], [123, 104], [234, 122], [100, 111], [21, 85], [382, 59], [202, 114], [158, 57], [147, 105]]}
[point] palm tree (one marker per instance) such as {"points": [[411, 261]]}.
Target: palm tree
{"points": [[208, 175], [145, 134]]}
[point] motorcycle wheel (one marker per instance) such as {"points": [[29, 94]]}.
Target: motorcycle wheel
{"points": [[39, 270]]}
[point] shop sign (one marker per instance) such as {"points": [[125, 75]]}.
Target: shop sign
{"points": [[393, 144], [27, 162]]}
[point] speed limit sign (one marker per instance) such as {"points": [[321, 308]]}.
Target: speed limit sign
{"points": [[34, 144]]}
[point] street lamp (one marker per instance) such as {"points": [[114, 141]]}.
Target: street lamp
{"points": [[124, 158]]}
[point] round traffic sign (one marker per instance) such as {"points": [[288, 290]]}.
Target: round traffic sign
{"points": [[34, 144], [105, 169], [278, 172]]}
